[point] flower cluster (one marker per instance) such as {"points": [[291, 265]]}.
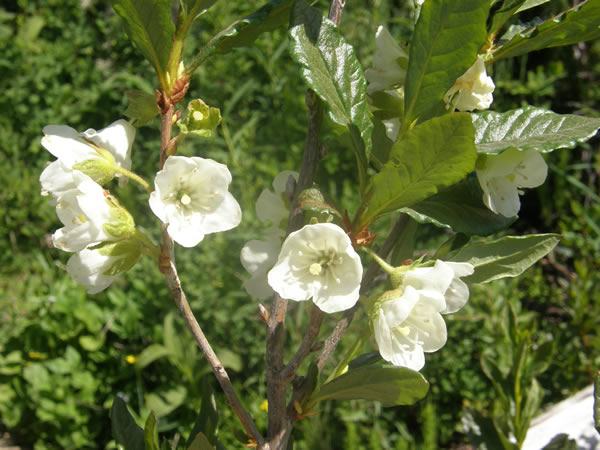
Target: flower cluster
{"points": [[472, 90], [96, 228], [407, 321], [501, 176], [257, 256]]}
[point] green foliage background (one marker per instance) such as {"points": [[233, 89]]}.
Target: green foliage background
{"points": [[64, 355]]}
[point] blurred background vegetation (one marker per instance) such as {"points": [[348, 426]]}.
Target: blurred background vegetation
{"points": [[65, 355]]}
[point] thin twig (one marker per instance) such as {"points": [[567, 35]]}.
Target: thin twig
{"points": [[336, 335], [167, 267], [217, 368]]}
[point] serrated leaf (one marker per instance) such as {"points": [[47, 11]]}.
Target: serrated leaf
{"points": [[151, 432], [576, 25], [141, 108], [509, 256], [243, 32], [433, 155], [124, 429], [531, 128], [149, 355], [460, 207], [148, 24], [447, 37], [387, 384], [332, 70]]}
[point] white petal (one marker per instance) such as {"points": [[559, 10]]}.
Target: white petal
{"points": [[57, 178], [531, 171], [64, 143], [474, 89], [435, 279], [281, 180], [259, 255], [270, 207], [117, 138], [397, 311], [389, 63], [87, 268], [502, 196], [458, 291]]}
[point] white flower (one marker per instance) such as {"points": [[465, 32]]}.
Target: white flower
{"points": [[389, 63], [318, 261], [88, 216], [71, 148], [191, 196], [97, 268], [409, 322], [256, 256], [472, 90], [501, 176]]}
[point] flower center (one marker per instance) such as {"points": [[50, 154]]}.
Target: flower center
{"points": [[185, 200], [315, 269]]}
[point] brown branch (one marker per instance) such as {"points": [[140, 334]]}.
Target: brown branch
{"points": [[336, 335], [166, 264]]}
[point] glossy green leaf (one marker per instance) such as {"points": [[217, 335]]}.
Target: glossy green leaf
{"points": [[460, 207], [208, 418], [148, 24], [331, 69], [447, 37], [124, 429], [243, 32], [528, 4], [573, 26], [509, 256], [531, 128], [385, 383], [149, 355], [435, 154], [151, 432], [502, 15], [141, 107]]}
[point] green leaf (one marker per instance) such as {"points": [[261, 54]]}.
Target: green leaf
{"points": [[196, 7], [386, 383], [91, 343], [561, 442], [151, 432], [435, 154], [208, 418], [575, 25], [149, 355], [502, 15], [542, 358], [200, 442], [331, 69], [164, 402], [528, 4], [148, 24], [531, 128], [141, 108], [447, 37], [243, 32], [533, 400], [509, 256], [483, 432], [124, 429], [460, 207]]}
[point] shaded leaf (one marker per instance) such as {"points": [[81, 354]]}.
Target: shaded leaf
{"points": [[196, 7], [166, 401], [208, 418], [386, 383], [561, 442], [331, 69], [435, 154], [576, 25], [447, 37], [200, 442], [151, 432], [502, 15], [509, 256], [531, 128], [148, 24], [483, 431], [533, 400], [460, 207], [124, 429]]}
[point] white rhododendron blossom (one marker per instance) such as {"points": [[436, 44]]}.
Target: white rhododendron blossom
{"points": [[318, 262], [390, 62], [259, 256], [97, 268], [191, 196], [472, 90], [71, 148], [410, 323], [85, 211], [501, 176]]}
